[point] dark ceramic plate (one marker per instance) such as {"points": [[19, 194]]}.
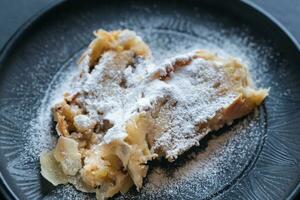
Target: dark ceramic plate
{"points": [[258, 157]]}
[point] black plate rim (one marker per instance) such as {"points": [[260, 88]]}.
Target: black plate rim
{"points": [[5, 189]]}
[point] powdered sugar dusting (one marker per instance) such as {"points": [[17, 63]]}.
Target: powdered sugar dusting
{"points": [[209, 170], [43, 123], [204, 171], [194, 88]]}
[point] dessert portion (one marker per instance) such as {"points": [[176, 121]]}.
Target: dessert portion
{"points": [[203, 92], [124, 110]]}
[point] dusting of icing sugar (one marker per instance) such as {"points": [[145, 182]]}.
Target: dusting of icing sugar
{"points": [[201, 172], [127, 35], [43, 123], [191, 88], [83, 122], [238, 146]]}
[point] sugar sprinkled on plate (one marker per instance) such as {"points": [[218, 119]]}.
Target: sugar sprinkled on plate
{"points": [[208, 165]]}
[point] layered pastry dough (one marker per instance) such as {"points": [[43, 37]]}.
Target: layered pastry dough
{"points": [[123, 111]]}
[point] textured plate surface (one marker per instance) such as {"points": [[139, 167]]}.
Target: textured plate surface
{"points": [[255, 158]]}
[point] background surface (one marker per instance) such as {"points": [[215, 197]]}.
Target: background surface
{"points": [[14, 13]]}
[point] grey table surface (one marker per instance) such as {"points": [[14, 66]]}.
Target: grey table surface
{"points": [[13, 13]]}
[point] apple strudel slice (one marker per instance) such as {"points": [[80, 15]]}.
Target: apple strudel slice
{"points": [[124, 110]]}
